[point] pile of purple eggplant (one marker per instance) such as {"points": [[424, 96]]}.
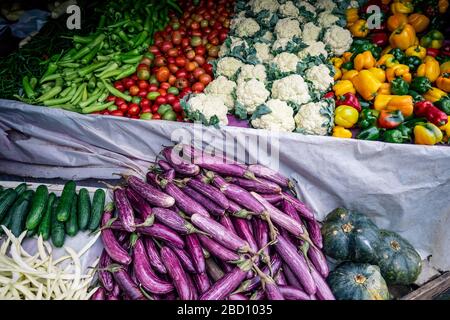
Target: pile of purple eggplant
{"points": [[203, 228]]}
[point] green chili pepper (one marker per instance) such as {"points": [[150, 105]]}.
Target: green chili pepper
{"points": [[51, 69], [91, 68], [371, 133], [60, 101], [399, 87], [51, 77], [116, 92], [93, 98], [126, 72], [134, 60], [50, 94], [421, 84], [97, 107], [368, 118], [33, 82], [29, 92], [91, 55]]}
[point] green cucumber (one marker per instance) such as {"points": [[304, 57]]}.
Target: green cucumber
{"points": [[72, 223], [21, 188], [84, 209], [37, 207], [98, 204], [45, 226], [65, 202], [58, 233], [19, 213], [6, 201]]}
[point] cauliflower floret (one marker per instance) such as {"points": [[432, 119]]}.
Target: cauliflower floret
{"points": [[263, 52], [223, 50], [327, 5], [320, 77], [339, 39], [315, 48], [209, 106], [311, 32], [286, 62], [249, 72], [247, 27], [353, 4], [280, 44], [310, 119], [236, 42], [327, 19], [288, 10], [288, 28], [292, 88], [237, 20], [280, 119], [252, 94], [222, 88], [260, 5], [228, 67], [268, 36], [306, 6]]}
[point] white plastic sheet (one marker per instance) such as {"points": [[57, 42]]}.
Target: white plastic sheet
{"points": [[404, 188]]}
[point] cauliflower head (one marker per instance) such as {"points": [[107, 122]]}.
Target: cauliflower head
{"points": [[263, 52], [311, 119], [306, 6], [320, 77], [260, 5], [281, 117], [228, 67], [209, 106], [288, 28], [311, 32], [222, 88], [268, 36], [249, 72], [339, 39], [286, 62], [252, 94], [315, 48], [288, 9], [327, 5], [327, 19], [247, 27], [280, 44], [292, 88]]}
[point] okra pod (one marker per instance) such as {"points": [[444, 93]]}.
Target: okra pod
{"points": [[97, 107], [116, 92], [29, 92], [50, 94]]}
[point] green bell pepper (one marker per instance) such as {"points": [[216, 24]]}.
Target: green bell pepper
{"points": [[415, 95], [444, 105], [412, 62], [399, 87], [368, 118], [347, 65], [361, 45], [398, 54], [399, 135], [421, 84], [371, 133]]}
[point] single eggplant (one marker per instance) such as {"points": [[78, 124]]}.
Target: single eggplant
{"points": [[100, 294], [104, 275], [185, 259], [153, 256], [252, 284], [144, 273], [274, 199], [126, 214], [225, 220], [209, 205], [126, 284], [210, 192], [164, 165], [290, 277], [164, 233], [151, 194], [290, 210], [218, 250], [179, 163], [237, 297], [177, 274], [264, 172], [262, 237], [174, 220], [272, 290], [112, 246], [259, 185], [214, 270], [302, 209], [291, 293], [323, 290], [319, 261], [220, 233], [184, 202], [140, 205], [202, 282], [195, 250], [228, 283], [315, 233], [244, 230]]}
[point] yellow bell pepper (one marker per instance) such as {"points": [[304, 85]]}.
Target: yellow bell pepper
{"points": [[337, 73], [402, 7], [443, 6], [347, 56], [366, 84], [416, 51], [393, 103], [443, 82], [342, 87], [337, 62], [384, 89], [396, 21], [349, 75], [398, 71], [346, 116], [446, 129], [387, 61], [430, 69], [359, 28], [364, 60], [420, 22], [403, 37], [445, 67], [427, 134], [341, 132], [351, 15], [434, 94], [379, 73]]}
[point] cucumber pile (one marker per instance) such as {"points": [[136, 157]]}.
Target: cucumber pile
{"points": [[43, 213]]}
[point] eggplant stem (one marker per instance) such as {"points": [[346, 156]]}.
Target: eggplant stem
{"points": [[273, 230], [109, 186]]}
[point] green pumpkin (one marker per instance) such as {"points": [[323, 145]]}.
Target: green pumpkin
{"points": [[398, 260], [358, 281], [348, 235]]}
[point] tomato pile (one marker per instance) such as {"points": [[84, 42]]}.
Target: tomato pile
{"points": [[176, 64]]}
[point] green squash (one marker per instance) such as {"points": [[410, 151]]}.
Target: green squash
{"points": [[358, 281], [350, 236], [398, 260]]}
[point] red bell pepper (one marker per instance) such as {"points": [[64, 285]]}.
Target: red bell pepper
{"points": [[329, 95], [432, 52], [349, 99], [390, 120], [432, 113], [381, 39]]}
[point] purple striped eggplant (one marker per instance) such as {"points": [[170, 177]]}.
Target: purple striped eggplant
{"points": [[225, 220], [239, 212], [319, 261], [272, 290], [315, 233], [220, 233], [228, 283], [264, 172], [257, 185], [194, 248], [210, 192], [323, 290], [164, 165], [217, 250], [237, 297], [302, 209], [126, 214], [153, 180], [177, 274], [192, 285], [244, 231], [184, 202], [104, 275], [126, 284], [151, 194], [140, 205], [258, 295], [274, 199], [280, 279], [174, 221], [214, 270], [169, 175], [144, 273], [297, 264], [262, 237], [164, 233], [179, 163], [253, 283], [99, 295], [291, 293], [153, 256], [185, 259], [112, 246], [291, 278], [209, 205], [289, 209], [202, 282]]}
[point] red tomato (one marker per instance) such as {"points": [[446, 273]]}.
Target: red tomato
{"points": [[181, 83], [134, 77], [200, 60], [195, 25], [182, 73], [134, 90], [161, 100], [198, 87], [128, 83], [123, 108], [145, 103], [205, 79], [185, 91], [143, 74], [142, 66], [143, 93], [173, 68], [164, 86], [180, 61], [166, 46], [172, 79], [152, 88], [170, 60], [111, 99], [208, 68], [117, 113], [172, 52], [119, 86], [156, 116], [163, 74], [160, 61], [190, 54], [215, 41], [171, 98], [200, 50], [142, 84], [119, 101], [176, 106], [134, 109], [191, 66], [155, 108], [185, 42], [198, 72], [153, 49], [176, 37]]}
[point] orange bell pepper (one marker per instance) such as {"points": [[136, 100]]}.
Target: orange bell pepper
{"points": [[404, 104], [347, 56], [385, 89], [420, 22], [443, 82], [443, 6], [430, 69], [366, 84], [349, 75], [402, 7], [403, 37], [359, 28], [352, 16], [399, 70], [396, 21], [342, 87], [364, 60]]}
